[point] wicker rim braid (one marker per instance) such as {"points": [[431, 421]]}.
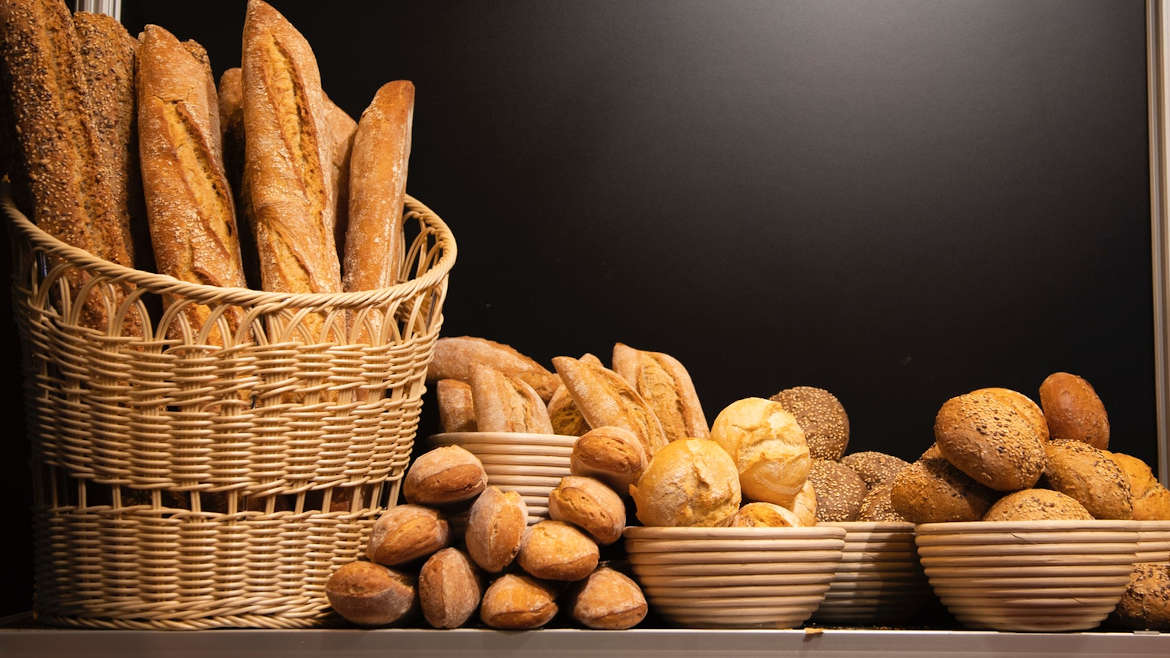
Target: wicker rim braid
{"points": [[207, 476]]}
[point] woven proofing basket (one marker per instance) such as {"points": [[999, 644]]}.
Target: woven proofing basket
{"points": [[203, 476]]}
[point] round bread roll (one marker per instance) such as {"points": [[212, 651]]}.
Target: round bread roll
{"points": [[1090, 476], [839, 490], [822, 418], [517, 602], [1146, 602], [1023, 404], [877, 507], [448, 589], [1073, 410], [765, 515], [613, 455], [805, 505], [931, 490], [988, 438], [690, 482], [589, 505], [875, 468], [554, 550], [369, 594], [1036, 505], [495, 528], [609, 600], [768, 448], [405, 533], [449, 474], [1151, 501]]}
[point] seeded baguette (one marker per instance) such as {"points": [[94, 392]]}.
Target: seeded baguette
{"points": [[666, 387]]}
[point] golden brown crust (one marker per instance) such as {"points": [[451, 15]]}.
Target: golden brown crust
{"points": [[691, 482], [1151, 501], [1022, 404], [839, 489], [1146, 602], [405, 533], [231, 124], [990, 440], [456, 355], [613, 455], [1036, 505], [517, 602], [1073, 410], [554, 550], [442, 476], [768, 447], [666, 387], [377, 188], [765, 515], [495, 528], [506, 404], [931, 490], [369, 594], [456, 408], [341, 129], [565, 417], [609, 600], [589, 505], [605, 399], [449, 590], [1090, 476], [822, 418]]}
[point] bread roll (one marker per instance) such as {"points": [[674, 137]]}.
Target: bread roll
{"points": [[517, 602], [1036, 505], [1073, 410], [377, 189], [805, 505], [613, 455], [456, 408], [1088, 475], [875, 468], [1146, 602], [609, 600], [455, 356], [839, 490], [589, 505], [765, 515], [554, 550], [691, 482], [604, 398], [448, 589], [1024, 405], [445, 475], [566, 418], [495, 528], [822, 418], [405, 533], [506, 404], [369, 594], [989, 439], [931, 490], [666, 387], [877, 506], [768, 447], [1151, 501]]}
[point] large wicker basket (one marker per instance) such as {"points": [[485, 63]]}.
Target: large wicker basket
{"points": [[206, 476]]}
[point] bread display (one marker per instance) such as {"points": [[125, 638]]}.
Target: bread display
{"points": [[839, 490], [1036, 505], [589, 505], [1151, 501], [765, 515], [1089, 476], [691, 482], [455, 357], [822, 418], [609, 600], [875, 468], [369, 594], [667, 389], [1073, 410], [804, 506], [445, 475], [406, 533], [448, 589], [506, 404], [931, 490], [989, 439], [495, 528], [878, 507], [605, 399], [1146, 602], [613, 455], [768, 448], [554, 550], [517, 602]]}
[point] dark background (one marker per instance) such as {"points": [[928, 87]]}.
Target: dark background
{"points": [[897, 200]]}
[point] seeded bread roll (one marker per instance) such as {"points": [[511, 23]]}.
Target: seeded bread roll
{"points": [[613, 455], [1073, 410], [506, 404], [1151, 501], [805, 505], [604, 398], [1036, 505], [931, 490], [877, 506], [1089, 476], [445, 475], [1146, 602], [589, 505], [554, 550], [455, 356], [517, 602], [768, 447], [565, 417], [691, 482], [666, 387], [405, 533], [765, 515], [495, 528], [822, 418], [369, 594], [609, 600], [989, 439], [456, 408], [875, 468], [1022, 404], [839, 490], [448, 589]]}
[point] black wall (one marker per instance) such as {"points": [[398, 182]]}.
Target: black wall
{"points": [[896, 200]]}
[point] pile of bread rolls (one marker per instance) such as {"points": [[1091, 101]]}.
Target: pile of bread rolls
{"points": [[112, 135]]}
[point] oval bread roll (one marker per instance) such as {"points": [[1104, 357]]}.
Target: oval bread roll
{"points": [[517, 602], [1146, 602], [448, 589], [405, 533], [1022, 404], [768, 448], [1151, 501], [877, 506], [875, 468], [1090, 476], [931, 490], [369, 594], [495, 528], [609, 600], [554, 550], [1073, 410], [985, 435], [1036, 505], [444, 475], [822, 418], [839, 490], [691, 482], [613, 455], [589, 505]]}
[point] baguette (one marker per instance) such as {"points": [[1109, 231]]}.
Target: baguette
{"points": [[381, 148], [666, 387], [604, 398], [231, 124], [565, 417], [341, 130], [506, 404], [189, 203], [455, 357], [456, 408], [287, 157]]}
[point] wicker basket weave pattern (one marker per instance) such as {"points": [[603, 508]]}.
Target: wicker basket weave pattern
{"points": [[201, 476]]}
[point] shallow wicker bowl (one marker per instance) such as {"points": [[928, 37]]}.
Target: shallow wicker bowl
{"points": [[735, 577], [879, 579], [1153, 541], [1029, 575], [529, 464]]}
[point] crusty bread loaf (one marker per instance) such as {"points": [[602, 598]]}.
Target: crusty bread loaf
{"points": [[1090, 476], [456, 408], [877, 506], [822, 418], [377, 189], [875, 468], [1036, 505], [517, 602], [609, 600], [231, 125], [931, 490], [604, 398], [1151, 501], [987, 437], [589, 505], [768, 447], [506, 404], [495, 528], [564, 415], [613, 455], [1073, 410], [342, 129], [369, 594], [765, 515], [405, 533], [666, 387], [690, 482], [188, 200], [554, 550], [442, 476], [455, 357], [1146, 602], [839, 489], [448, 589], [287, 157]]}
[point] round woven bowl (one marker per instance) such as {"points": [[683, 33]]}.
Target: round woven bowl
{"points": [[1153, 541], [1029, 575], [532, 465], [879, 579], [735, 577]]}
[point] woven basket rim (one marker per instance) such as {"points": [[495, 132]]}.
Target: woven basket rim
{"points": [[206, 294]]}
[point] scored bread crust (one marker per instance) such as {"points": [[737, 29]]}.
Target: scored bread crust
{"points": [[564, 415], [604, 398], [455, 356], [506, 404], [666, 386]]}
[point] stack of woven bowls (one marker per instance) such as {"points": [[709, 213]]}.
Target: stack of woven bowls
{"points": [[735, 577], [1153, 541], [879, 579]]}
